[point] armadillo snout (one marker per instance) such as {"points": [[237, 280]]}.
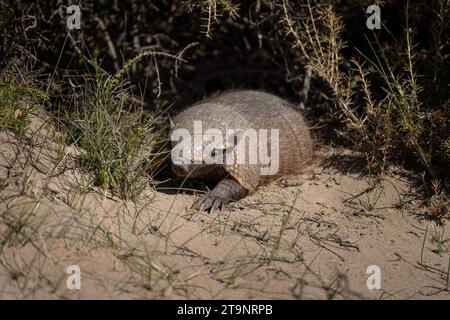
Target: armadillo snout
{"points": [[193, 170], [183, 170]]}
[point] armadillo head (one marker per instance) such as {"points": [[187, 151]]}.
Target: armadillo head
{"points": [[204, 137], [199, 160], [197, 149]]}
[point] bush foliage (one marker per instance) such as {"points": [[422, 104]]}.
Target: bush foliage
{"points": [[385, 92]]}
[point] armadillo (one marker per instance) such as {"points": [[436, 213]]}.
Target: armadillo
{"points": [[241, 110]]}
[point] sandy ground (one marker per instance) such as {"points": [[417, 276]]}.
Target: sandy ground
{"points": [[311, 236]]}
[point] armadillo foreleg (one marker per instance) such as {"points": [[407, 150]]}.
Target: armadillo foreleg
{"points": [[225, 191]]}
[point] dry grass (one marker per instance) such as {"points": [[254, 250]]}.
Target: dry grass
{"points": [[83, 192], [395, 126], [122, 145]]}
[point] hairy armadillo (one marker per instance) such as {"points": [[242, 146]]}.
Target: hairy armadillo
{"points": [[239, 110]]}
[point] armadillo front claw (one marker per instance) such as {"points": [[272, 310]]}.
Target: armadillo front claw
{"points": [[210, 203]]}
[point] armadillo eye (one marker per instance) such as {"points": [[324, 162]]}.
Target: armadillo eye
{"points": [[213, 153]]}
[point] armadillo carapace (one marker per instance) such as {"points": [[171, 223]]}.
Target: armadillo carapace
{"points": [[247, 114]]}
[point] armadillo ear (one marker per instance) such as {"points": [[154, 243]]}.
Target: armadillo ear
{"points": [[238, 136], [236, 139], [172, 125]]}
